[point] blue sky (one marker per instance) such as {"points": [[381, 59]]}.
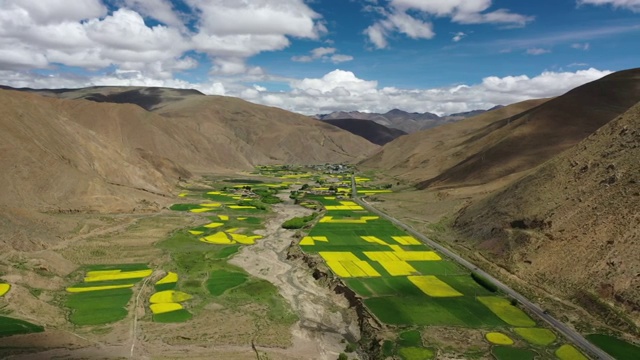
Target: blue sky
{"points": [[319, 56]]}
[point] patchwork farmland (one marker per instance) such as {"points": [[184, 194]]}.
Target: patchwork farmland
{"points": [[218, 275], [406, 284]]}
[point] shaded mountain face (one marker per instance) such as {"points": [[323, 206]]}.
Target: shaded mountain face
{"points": [[71, 153], [426, 154], [509, 140], [402, 120], [370, 130], [572, 225]]}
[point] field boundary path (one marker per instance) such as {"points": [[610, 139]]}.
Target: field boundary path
{"points": [[134, 325], [559, 326]]}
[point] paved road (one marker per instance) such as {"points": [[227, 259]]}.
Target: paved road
{"points": [[562, 328]]}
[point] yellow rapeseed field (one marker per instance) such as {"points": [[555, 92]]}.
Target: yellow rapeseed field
{"points": [[211, 205], [354, 268], [311, 240], [217, 238], [4, 288], [103, 272], [508, 313], [338, 256], [406, 240], [223, 217], [200, 210], [398, 268], [169, 296], [360, 268], [171, 277], [97, 288], [196, 232], [396, 248], [498, 338], [343, 207], [433, 286], [536, 336], [307, 240], [229, 237], [373, 239], [240, 207], [402, 255], [338, 269], [108, 275], [213, 225], [165, 308], [568, 352], [244, 239], [362, 220], [418, 256], [381, 255]]}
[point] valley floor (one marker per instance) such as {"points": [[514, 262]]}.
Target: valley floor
{"points": [[218, 330], [246, 288]]}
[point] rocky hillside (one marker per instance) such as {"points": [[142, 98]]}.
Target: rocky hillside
{"points": [[511, 140], [427, 154], [573, 225]]}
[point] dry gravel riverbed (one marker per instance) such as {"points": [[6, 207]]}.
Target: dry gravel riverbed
{"points": [[325, 318]]}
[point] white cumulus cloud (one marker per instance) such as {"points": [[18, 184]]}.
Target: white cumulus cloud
{"points": [[343, 90], [161, 10], [408, 17], [37, 34], [324, 54]]}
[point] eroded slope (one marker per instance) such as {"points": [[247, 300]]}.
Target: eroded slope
{"points": [[573, 225]]}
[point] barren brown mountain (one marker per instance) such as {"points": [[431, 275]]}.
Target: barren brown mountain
{"points": [[572, 227], [509, 140], [426, 154], [78, 155]]}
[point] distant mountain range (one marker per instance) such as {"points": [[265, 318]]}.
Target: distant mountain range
{"points": [[403, 120]]}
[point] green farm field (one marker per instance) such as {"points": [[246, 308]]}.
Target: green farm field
{"points": [[98, 307], [511, 353], [10, 326], [341, 236], [619, 349]]}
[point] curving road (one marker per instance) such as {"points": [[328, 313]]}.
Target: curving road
{"points": [[559, 326]]}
